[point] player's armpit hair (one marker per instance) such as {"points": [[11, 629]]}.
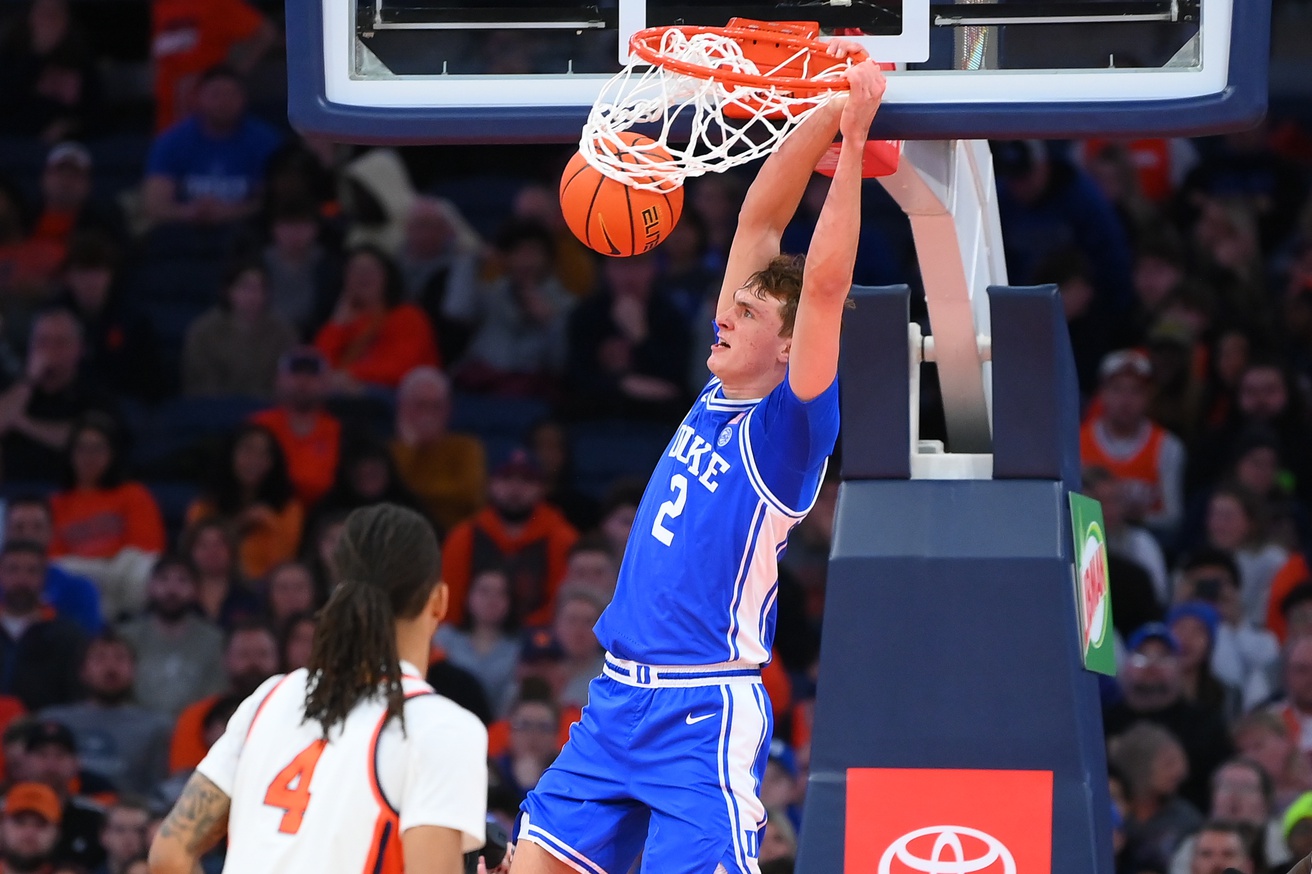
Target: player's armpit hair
{"points": [[199, 818]]}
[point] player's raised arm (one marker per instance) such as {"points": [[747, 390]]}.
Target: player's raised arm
{"points": [[778, 189], [827, 279]]}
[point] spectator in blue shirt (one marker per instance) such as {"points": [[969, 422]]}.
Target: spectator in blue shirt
{"points": [[210, 167], [27, 517]]}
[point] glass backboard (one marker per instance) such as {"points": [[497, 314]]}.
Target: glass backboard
{"points": [[515, 70]]}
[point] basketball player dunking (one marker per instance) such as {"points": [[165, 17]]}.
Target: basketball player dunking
{"points": [[669, 755], [354, 763]]}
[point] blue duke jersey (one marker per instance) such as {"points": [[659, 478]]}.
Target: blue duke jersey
{"points": [[700, 573]]}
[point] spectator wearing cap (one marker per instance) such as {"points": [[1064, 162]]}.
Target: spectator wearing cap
{"points": [[517, 532], [1221, 847], [1153, 687], [38, 409], [250, 656], [40, 653], [51, 760], [445, 470], [486, 642], [66, 204], [75, 597], [117, 739], [374, 338], [310, 436], [1235, 524], [234, 348], [209, 167], [1153, 765], [1194, 624], [1244, 656], [1297, 826], [120, 345], [179, 652], [29, 830], [519, 321], [1295, 710], [1123, 440], [1241, 793]]}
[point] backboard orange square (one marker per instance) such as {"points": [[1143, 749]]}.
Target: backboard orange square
{"points": [[941, 821]]}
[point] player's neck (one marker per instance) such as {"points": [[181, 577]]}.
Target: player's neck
{"points": [[413, 644], [747, 390]]}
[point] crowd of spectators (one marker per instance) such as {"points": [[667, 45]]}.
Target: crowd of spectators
{"points": [[207, 362]]}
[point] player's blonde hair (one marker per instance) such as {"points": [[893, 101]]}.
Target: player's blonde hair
{"points": [[781, 280]]}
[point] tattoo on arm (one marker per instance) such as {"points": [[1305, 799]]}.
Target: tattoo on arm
{"points": [[199, 818]]}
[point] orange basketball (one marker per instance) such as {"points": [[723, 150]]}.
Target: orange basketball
{"points": [[611, 217]]}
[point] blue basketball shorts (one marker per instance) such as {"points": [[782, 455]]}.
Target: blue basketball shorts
{"points": [[664, 761]]}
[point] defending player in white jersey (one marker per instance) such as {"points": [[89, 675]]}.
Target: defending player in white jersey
{"points": [[668, 757], [353, 764]]}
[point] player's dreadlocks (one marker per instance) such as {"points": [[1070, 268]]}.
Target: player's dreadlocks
{"points": [[389, 562]]}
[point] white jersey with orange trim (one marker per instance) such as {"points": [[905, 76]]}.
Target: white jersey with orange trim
{"points": [[303, 805]]}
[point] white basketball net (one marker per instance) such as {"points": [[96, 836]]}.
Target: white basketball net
{"points": [[680, 102]]}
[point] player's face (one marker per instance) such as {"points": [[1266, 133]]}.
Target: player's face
{"points": [[748, 344]]}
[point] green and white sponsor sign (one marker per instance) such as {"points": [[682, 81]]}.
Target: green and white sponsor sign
{"points": [[1092, 585]]}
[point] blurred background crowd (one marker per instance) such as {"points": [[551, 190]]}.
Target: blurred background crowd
{"points": [[218, 338]]}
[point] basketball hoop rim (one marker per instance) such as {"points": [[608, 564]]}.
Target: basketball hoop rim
{"points": [[640, 45]]}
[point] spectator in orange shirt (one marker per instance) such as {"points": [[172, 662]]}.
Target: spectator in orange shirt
{"points": [[310, 436], [190, 36], [373, 339], [517, 532], [250, 656], [447, 471], [105, 526], [1122, 439], [253, 492]]}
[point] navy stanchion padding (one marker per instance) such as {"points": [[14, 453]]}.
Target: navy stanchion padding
{"points": [[951, 632], [874, 373]]}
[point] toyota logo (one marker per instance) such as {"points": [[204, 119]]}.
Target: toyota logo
{"points": [[947, 855]]}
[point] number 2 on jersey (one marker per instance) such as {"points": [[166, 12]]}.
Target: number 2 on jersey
{"points": [[670, 509], [294, 799]]}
